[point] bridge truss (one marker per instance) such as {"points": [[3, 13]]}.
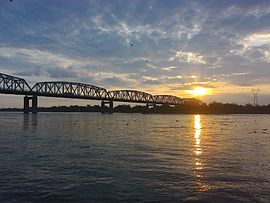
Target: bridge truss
{"points": [[131, 96], [13, 85], [168, 99], [70, 90]]}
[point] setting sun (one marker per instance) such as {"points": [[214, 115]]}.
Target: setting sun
{"points": [[198, 91]]}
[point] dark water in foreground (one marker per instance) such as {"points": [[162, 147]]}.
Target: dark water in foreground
{"points": [[86, 157]]}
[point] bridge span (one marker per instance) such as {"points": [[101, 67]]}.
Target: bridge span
{"points": [[18, 86]]}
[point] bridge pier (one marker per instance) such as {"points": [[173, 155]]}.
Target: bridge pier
{"points": [[26, 102], [34, 104], [106, 109], [153, 105], [149, 107]]}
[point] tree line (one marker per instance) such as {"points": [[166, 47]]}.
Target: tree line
{"points": [[211, 108]]}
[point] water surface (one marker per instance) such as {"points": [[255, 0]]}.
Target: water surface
{"points": [[90, 157]]}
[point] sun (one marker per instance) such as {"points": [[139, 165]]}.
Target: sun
{"points": [[198, 91]]}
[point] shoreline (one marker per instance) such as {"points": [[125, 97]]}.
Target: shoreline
{"points": [[157, 113]]}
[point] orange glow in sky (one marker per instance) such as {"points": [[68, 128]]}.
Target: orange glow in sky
{"points": [[199, 91]]}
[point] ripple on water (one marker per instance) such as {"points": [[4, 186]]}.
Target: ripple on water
{"points": [[89, 157]]}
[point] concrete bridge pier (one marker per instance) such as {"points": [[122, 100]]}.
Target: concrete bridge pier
{"points": [[149, 107], [26, 106], [106, 107], [34, 104], [153, 105]]}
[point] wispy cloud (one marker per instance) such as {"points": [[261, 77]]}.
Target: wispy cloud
{"points": [[160, 46], [188, 57]]}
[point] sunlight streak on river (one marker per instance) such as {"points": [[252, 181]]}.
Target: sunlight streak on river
{"points": [[198, 152]]}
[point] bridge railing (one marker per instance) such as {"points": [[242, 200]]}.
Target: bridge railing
{"points": [[13, 85]]}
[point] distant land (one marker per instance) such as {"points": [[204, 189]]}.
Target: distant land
{"points": [[212, 108]]}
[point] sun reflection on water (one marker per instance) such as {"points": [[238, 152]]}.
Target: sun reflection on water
{"points": [[197, 127], [198, 152]]}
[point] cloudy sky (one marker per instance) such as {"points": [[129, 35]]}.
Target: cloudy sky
{"points": [[161, 47]]}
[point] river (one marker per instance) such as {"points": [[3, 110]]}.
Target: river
{"points": [[90, 157]]}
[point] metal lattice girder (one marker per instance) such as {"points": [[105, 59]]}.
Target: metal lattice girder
{"points": [[192, 101], [13, 85], [167, 99], [70, 90], [131, 96]]}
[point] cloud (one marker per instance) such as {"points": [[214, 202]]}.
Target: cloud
{"points": [[169, 68], [33, 72], [188, 57], [39, 57], [62, 72], [190, 86], [116, 82], [255, 40], [172, 42]]}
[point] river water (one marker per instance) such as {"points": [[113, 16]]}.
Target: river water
{"points": [[90, 157]]}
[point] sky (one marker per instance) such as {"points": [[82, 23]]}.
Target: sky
{"points": [[160, 47]]}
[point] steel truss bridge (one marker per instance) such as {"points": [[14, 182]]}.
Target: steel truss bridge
{"points": [[14, 85]]}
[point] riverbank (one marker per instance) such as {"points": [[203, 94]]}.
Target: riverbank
{"points": [[212, 108]]}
